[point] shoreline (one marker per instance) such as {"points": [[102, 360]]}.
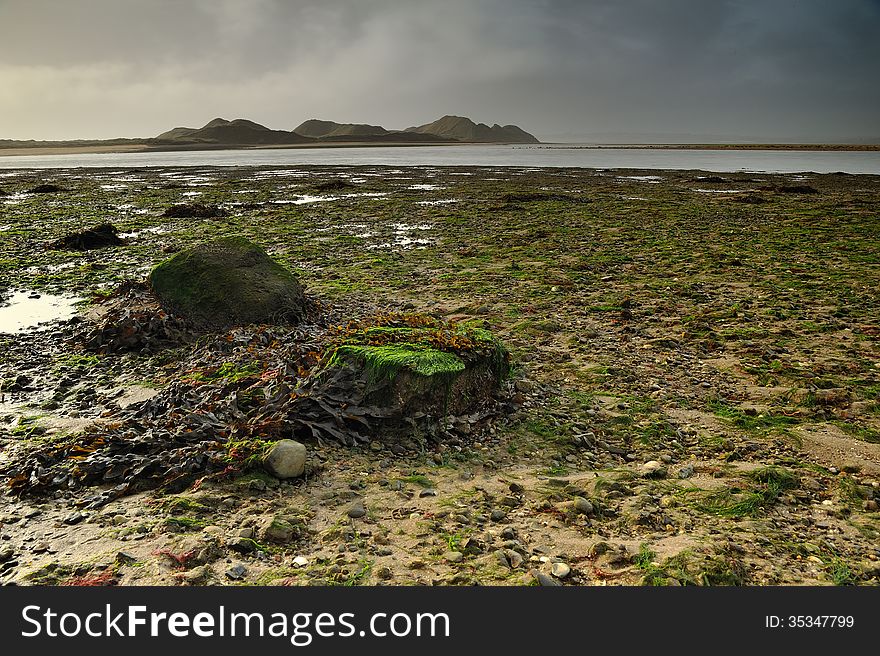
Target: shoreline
{"points": [[31, 151]]}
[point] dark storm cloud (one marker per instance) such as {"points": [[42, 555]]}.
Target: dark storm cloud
{"points": [[766, 69]]}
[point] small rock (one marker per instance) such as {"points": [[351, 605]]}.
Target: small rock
{"points": [[125, 558], [357, 510], [560, 570], [287, 459], [851, 467], [599, 548], [453, 556], [236, 572], [300, 561], [516, 488], [870, 505], [246, 533], [427, 493], [508, 533], [280, 530], [686, 472], [497, 515], [583, 506], [514, 558], [473, 546], [242, 545], [653, 469], [546, 581], [74, 518], [200, 575], [384, 573]]}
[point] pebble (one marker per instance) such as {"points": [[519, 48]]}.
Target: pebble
{"points": [[497, 515], [357, 510], [686, 472], [453, 556], [74, 518], [653, 469], [560, 570], [236, 572], [870, 505], [125, 558], [427, 493], [583, 506], [546, 581], [300, 561], [241, 545], [514, 558]]}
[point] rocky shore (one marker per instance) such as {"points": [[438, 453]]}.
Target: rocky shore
{"points": [[693, 395]]}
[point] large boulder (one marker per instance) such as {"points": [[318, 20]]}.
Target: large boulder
{"points": [[226, 282]]}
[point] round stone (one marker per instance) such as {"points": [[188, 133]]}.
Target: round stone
{"points": [[287, 459], [560, 570], [583, 506]]}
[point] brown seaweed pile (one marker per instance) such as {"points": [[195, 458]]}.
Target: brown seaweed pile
{"points": [[231, 396]]}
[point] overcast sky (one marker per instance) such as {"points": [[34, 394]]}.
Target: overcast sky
{"points": [[738, 69]]}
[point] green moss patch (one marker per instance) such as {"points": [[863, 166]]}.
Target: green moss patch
{"points": [[387, 361]]}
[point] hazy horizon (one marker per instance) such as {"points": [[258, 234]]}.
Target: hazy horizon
{"points": [[683, 70]]}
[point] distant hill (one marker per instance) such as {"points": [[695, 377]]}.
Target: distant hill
{"points": [[448, 128], [239, 132], [317, 129], [464, 129], [220, 133]]}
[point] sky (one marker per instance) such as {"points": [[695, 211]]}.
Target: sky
{"points": [[565, 70]]}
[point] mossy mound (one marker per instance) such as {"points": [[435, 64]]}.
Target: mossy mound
{"points": [[419, 365], [100, 236], [194, 211], [227, 282]]}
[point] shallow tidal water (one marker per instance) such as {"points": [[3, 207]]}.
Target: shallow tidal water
{"points": [[25, 310], [541, 156]]}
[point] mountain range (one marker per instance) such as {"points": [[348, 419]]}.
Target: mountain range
{"points": [[241, 132]]}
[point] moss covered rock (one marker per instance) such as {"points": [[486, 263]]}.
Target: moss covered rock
{"points": [[227, 282], [430, 368]]}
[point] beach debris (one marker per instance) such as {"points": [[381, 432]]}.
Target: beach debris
{"points": [[132, 319], [194, 211], [45, 189], [334, 185], [240, 395], [99, 236]]}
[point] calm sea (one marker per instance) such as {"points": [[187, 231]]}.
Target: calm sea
{"points": [[546, 155]]}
